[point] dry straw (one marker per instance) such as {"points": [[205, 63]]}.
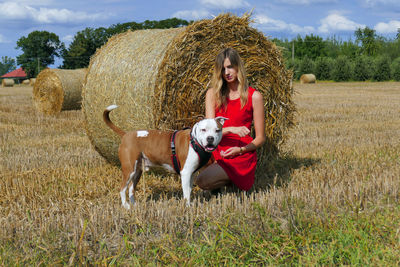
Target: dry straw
{"points": [[159, 78], [307, 78], [7, 83], [26, 82], [32, 81], [58, 89]]}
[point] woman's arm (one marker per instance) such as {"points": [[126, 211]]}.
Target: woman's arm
{"points": [[259, 123], [259, 127], [210, 104]]}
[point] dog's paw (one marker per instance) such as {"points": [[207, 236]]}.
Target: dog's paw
{"points": [[132, 200], [126, 206]]}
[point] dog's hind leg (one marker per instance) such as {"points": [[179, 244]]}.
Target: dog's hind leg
{"points": [[131, 174], [137, 173]]}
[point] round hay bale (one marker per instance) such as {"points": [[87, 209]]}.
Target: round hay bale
{"points": [[307, 78], [7, 83], [32, 81], [58, 89], [159, 78], [26, 82]]}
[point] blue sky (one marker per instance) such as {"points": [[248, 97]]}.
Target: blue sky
{"points": [[275, 18]]}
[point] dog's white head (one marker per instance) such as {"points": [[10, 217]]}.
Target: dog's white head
{"points": [[208, 132]]}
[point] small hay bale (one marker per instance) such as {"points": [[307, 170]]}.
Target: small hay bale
{"points": [[26, 82], [58, 89], [159, 78], [307, 78], [7, 83], [32, 81]]}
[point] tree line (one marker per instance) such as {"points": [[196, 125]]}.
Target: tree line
{"points": [[367, 57], [40, 48], [311, 53]]}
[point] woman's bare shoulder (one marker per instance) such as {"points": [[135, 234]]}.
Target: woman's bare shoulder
{"points": [[257, 96]]}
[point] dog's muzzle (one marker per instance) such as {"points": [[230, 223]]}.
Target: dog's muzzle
{"points": [[210, 147]]}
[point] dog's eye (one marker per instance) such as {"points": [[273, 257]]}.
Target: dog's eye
{"points": [[218, 130], [203, 130]]}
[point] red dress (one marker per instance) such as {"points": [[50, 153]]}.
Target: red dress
{"points": [[240, 168]]}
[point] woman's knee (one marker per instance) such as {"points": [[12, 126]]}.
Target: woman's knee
{"points": [[201, 181], [212, 177]]}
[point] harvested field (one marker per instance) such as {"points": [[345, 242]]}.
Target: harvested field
{"points": [[334, 198]]}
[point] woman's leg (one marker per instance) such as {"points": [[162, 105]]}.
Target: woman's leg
{"points": [[212, 177]]}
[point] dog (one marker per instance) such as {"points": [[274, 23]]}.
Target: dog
{"points": [[181, 152]]}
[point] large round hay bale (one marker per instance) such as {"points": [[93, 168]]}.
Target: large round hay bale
{"points": [[159, 78], [307, 78], [32, 81], [7, 83], [58, 89], [26, 82]]}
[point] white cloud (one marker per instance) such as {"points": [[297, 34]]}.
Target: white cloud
{"points": [[267, 24], [33, 3], [373, 3], [227, 4], [191, 14], [68, 38], [307, 2], [390, 27], [3, 40], [338, 23], [18, 11]]}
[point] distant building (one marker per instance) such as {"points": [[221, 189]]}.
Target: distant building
{"points": [[18, 74]]}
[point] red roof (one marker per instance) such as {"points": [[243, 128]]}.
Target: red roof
{"points": [[18, 73]]}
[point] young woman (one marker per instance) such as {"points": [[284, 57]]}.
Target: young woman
{"points": [[231, 97]]}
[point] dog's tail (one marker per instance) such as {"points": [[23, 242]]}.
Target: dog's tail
{"points": [[106, 118]]}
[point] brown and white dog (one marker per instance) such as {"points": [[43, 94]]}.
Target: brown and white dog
{"points": [[155, 148]]}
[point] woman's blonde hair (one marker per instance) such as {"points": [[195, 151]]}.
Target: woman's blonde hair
{"points": [[218, 83]]}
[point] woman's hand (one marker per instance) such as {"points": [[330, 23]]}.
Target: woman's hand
{"points": [[241, 130], [231, 152]]}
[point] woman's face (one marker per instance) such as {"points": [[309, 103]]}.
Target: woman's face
{"points": [[229, 73]]}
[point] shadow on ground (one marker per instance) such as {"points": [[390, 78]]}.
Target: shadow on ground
{"points": [[278, 171], [275, 172]]}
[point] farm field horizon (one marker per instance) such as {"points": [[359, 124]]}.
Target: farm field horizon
{"points": [[331, 198]]}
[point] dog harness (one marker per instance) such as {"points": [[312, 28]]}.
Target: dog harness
{"points": [[203, 155]]}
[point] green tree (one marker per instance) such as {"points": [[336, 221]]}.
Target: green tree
{"points": [[362, 68], [83, 46], [312, 46], [164, 24], [342, 69], [395, 69], [368, 39], [306, 66], [39, 49], [381, 69], [7, 64], [349, 49], [86, 42], [294, 65], [323, 68]]}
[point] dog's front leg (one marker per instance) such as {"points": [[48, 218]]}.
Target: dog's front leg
{"points": [[192, 162], [186, 176]]}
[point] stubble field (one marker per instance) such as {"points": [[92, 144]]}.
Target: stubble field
{"points": [[332, 197]]}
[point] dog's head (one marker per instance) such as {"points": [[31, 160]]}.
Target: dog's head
{"points": [[208, 132]]}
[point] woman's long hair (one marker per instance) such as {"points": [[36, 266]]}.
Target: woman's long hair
{"points": [[219, 84]]}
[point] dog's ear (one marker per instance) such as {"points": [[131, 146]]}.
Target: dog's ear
{"points": [[200, 117], [221, 120], [194, 129]]}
